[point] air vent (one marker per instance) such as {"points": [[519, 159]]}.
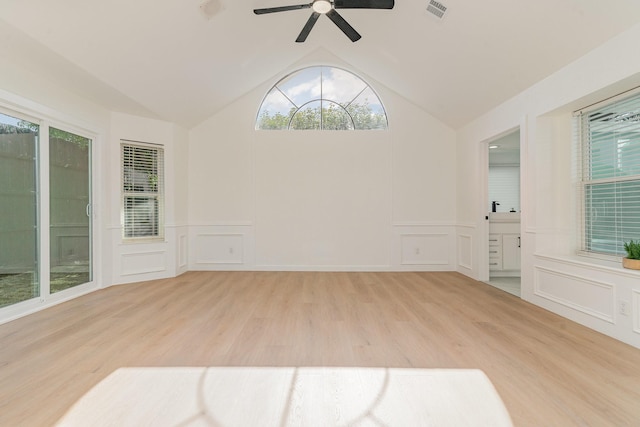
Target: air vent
{"points": [[436, 8]]}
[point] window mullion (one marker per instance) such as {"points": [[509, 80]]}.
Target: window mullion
{"points": [[43, 211]]}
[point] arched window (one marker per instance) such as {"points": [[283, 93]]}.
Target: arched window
{"points": [[321, 98]]}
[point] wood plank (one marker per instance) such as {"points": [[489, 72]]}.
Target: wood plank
{"points": [[547, 369]]}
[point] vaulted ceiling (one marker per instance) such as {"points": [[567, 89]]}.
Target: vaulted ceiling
{"points": [[184, 60]]}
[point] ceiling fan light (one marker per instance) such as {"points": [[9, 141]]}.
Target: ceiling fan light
{"points": [[321, 6]]}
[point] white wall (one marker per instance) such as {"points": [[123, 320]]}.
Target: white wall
{"points": [[553, 276], [323, 199], [312, 200]]}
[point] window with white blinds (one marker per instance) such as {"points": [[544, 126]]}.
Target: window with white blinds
{"points": [[609, 184], [142, 190]]}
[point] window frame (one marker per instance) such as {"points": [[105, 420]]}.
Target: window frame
{"points": [[322, 100], [586, 182], [156, 197]]}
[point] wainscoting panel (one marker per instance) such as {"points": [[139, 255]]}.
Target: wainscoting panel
{"points": [[182, 252], [425, 249], [596, 299], [635, 310], [465, 251], [144, 262], [219, 248], [424, 246]]}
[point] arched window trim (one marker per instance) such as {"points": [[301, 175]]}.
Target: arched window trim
{"points": [[297, 108]]}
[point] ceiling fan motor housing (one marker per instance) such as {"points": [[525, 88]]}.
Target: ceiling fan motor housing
{"points": [[321, 6]]}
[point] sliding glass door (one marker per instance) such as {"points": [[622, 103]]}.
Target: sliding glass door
{"points": [[19, 208], [45, 211], [70, 209]]}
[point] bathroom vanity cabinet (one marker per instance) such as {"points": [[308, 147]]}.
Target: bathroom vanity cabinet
{"points": [[504, 244]]}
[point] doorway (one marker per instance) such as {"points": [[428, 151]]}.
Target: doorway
{"points": [[503, 212]]}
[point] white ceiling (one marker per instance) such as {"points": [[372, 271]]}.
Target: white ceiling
{"points": [[167, 59], [506, 150]]}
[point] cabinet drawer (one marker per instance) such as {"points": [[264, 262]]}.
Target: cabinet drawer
{"points": [[495, 240]]}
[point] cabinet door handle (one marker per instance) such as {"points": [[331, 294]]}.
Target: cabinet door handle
{"points": [[518, 241]]}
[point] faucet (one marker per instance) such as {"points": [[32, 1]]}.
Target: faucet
{"points": [[494, 206]]}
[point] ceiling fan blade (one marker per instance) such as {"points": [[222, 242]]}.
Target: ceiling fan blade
{"points": [[363, 4], [281, 9], [307, 27], [343, 25]]}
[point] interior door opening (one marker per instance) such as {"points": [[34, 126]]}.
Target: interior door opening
{"points": [[503, 212]]}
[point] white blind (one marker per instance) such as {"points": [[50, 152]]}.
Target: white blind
{"points": [[609, 175], [142, 190], [504, 188]]}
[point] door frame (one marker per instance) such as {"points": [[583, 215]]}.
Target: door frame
{"points": [[22, 108], [483, 159]]}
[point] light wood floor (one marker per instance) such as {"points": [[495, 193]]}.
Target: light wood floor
{"points": [[548, 370]]}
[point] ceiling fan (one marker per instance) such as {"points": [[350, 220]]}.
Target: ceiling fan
{"points": [[328, 7]]}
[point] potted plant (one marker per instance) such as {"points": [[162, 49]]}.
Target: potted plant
{"points": [[632, 260]]}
